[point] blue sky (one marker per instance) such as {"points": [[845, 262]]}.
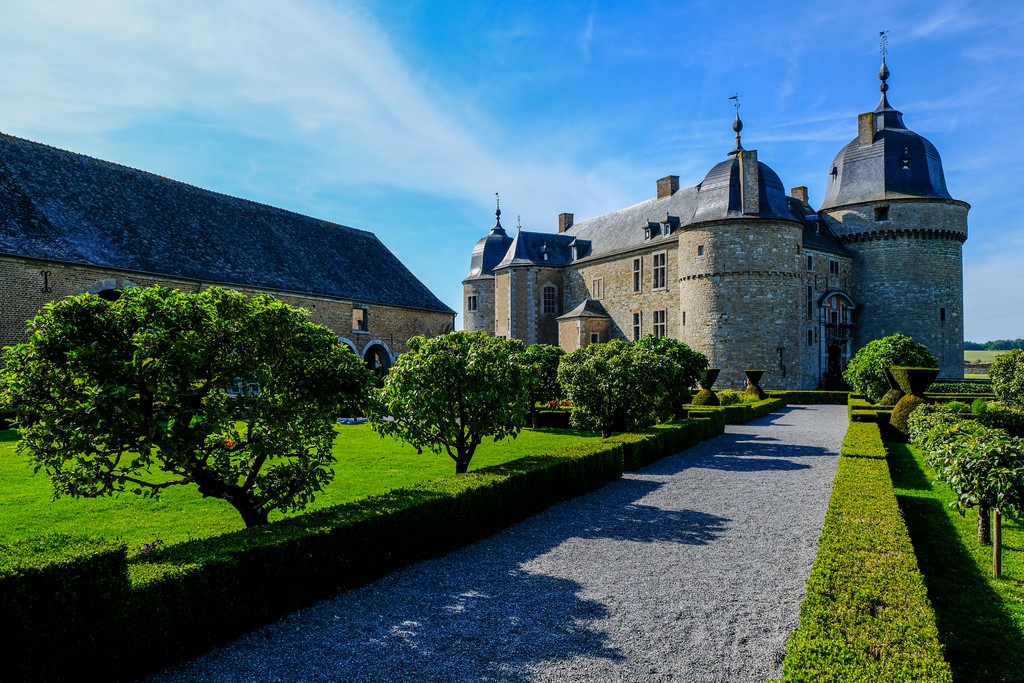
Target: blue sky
{"points": [[404, 118]]}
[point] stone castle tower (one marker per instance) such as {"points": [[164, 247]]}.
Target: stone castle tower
{"points": [[887, 202], [744, 273]]}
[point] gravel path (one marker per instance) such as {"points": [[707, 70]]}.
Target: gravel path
{"points": [[689, 570]]}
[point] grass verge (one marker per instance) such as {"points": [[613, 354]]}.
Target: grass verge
{"points": [[980, 619]]}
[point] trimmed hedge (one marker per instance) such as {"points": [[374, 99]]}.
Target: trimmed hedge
{"points": [[117, 619], [740, 413], [812, 398], [866, 615]]}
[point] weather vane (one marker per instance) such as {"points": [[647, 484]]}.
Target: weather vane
{"points": [[883, 40], [736, 103], [497, 201]]}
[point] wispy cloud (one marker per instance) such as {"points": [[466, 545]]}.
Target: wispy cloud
{"points": [[586, 36]]}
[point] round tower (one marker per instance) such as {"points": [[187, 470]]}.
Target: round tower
{"points": [[740, 286], [886, 200], [478, 287]]}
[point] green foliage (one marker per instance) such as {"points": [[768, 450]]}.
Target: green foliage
{"points": [[866, 615], [450, 392], [894, 394], [913, 380], [687, 368], [108, 391], [947, 387], [728, 397], [706, 397], [1007, 375], [615, 386], [1000, 415], [540, 362], [866, 370], [809, 398]]}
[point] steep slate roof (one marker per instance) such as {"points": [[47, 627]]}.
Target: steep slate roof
{"points": [[61, 206], [590, 308], [816, 232]]}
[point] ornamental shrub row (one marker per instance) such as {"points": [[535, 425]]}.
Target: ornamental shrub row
{"points": [[740, 413], [812, 398], [80, 609], [866, 615]]}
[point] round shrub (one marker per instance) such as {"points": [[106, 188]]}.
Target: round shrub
{"points": [[866, 370], [728, 397], [1007, 373], [893, 396]]}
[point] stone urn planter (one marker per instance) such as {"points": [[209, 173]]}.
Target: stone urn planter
{"points": [[913, 382], [754, 384], [706, 397], [891, 397]]}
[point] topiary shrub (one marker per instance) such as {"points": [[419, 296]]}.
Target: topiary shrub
{"points": [[866, 370], [728, 397], [1007, 374], [706, 397], [893, 396], [754, 384], [913, 382]]}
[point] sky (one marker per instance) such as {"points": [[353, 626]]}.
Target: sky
{"points": [[405, 118]]}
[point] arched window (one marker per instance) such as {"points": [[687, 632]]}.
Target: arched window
{"points": [[549, 300]]}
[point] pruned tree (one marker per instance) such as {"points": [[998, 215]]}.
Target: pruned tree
{"points": [[688, 367], [451, 392], [866, 370], [540, 363], [236, 395], [614, 386]]}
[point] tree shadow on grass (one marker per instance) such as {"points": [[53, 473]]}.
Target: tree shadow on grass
{"points": [[490, 611], [981, 641]]}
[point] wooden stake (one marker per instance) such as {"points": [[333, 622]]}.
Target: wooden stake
{"points": [[997, 544]]}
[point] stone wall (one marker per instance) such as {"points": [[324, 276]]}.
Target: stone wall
{"points": [[618, 297], [21, 297], [908, 272], [741, 295], [483, 317]]}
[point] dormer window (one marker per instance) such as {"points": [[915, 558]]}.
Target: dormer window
{"points": [[652, 230], [544, 252], [834, 172], [905, 161], [671, 224]]}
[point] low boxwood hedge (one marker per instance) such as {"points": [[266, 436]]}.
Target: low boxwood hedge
{"points": [[740, 413], [866, 615], [80, 609]]}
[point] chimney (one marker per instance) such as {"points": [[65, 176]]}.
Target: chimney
{"points": [[750, 190], [800, 193], [668, 186], [564, 221], [866, 128]]}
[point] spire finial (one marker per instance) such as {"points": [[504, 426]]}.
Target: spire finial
{"points": [[737, 125], [497, 212], [883, 73]]}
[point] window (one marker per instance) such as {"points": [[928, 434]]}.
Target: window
{"points": [[595, 337], [942, 315], [881, 213], [638, 325], [660, 328], [359, 320], [810, 303], [684, 318], [810, 337], [597, 288], [833, 267], [658, 271], [700, 250], [471, 302], [638, 267], [810, 263], [549, 302]]}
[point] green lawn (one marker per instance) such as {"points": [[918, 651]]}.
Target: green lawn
{"points": [[366, 465], [980, 619]]}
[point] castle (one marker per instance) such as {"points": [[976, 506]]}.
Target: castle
{"points": [[744, 273]]}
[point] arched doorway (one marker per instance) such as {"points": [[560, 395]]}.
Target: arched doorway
{"points": [[378, 358], [836, 334]]}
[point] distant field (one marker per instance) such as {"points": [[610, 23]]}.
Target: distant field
{"points": [[981, 356]]}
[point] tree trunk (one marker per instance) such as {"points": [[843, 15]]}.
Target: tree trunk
{"points": [[997, 544], [461, 466], [534, 416], [251, 514], [984, 526]]}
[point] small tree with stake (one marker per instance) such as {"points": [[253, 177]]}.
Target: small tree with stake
{"points": [[450, 392], [106, 392]]}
